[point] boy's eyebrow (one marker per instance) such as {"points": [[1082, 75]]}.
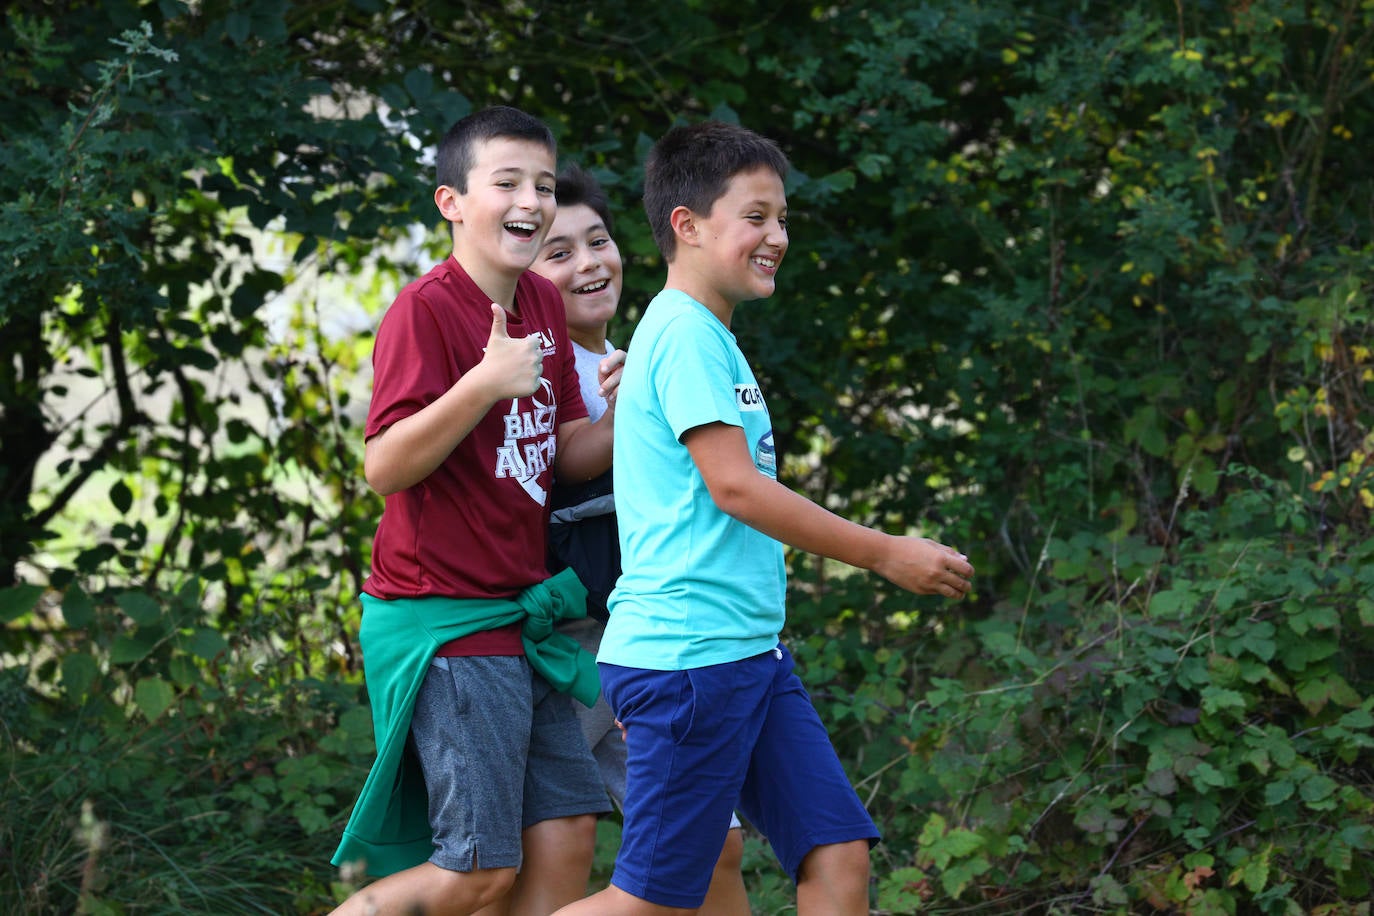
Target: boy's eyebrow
{"points": [[516, 170], [563, 239]]}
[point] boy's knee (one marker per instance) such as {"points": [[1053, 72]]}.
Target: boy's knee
{"points": [[569, 839], [836, 863], [482, 886]]}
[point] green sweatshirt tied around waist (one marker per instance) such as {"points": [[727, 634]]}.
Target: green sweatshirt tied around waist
{"points": [[389, 828]]}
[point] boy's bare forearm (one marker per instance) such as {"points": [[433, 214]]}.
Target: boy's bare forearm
{"points": [[919, 565], [584, 448], [409, 450]]}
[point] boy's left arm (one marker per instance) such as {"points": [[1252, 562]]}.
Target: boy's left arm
{"points": [[584, 447], [737, 487]]}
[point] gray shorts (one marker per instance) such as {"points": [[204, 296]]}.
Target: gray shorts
{"points": [[500, 750]]}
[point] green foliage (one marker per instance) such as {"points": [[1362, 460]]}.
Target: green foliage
{"points": [[1083, 289], [1196, 734], [151, 765]]}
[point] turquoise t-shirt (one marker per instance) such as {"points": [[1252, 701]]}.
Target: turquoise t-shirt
{"points": [[697, 587]]}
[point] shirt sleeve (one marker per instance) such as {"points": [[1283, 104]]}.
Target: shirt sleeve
{"points": [[693, 376], [408, 364]]}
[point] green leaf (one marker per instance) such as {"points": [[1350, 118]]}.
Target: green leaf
{"points": [[1162, 782], [132, 647], [420, 84], [153, 696], [79, 671], [840, 181], [140, 606], [1254, 874], [959, 875], [1171, 602], [1204, 774], [238, 26], [1317, 789], [78, 608], [121, 496], [1215, 699], [18, 600], [1146, 427], [205, 643], [1278, 791]]}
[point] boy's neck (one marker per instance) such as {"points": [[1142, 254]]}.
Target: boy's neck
{"points": [[496, 284], [593, 341], [697, 285]]}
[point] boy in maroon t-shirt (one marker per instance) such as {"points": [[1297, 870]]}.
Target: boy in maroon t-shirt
{"points": [[475, 401]]}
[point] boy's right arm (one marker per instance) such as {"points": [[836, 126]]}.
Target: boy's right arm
{"points": [[918, 565], [408, 451]]}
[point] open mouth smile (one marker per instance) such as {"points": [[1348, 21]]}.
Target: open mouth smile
{"points": [[522, 229], [594, 287]]}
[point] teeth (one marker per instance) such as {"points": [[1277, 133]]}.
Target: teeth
{"points": [[765, 262], [528, 227], [596, 287]]}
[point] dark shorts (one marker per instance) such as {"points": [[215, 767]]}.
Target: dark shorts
{"points": [[500, 750], [703, 741]]}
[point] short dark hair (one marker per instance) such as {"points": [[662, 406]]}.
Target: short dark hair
{"points": [[576, 186], [456, 150], [692, 166]]}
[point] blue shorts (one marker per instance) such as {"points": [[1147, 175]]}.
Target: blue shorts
{"points": [[500, 750], [703, 741], [598, 724]]}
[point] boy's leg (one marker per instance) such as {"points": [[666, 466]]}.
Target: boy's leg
{"points": [[428, 889], [834, 880], [614, 902], [727, 896], [469, 732], [563, 793], [797, 793], [557, 866]]}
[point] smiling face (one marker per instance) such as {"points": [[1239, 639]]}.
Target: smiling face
{"points": [[742, 241], [500, 221], [581, 259]]}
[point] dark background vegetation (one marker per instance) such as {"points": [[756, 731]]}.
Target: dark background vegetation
{"points": [[1081, 288]]}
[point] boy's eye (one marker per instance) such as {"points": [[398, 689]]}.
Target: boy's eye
{"points": [[600, 242], [545, 188]]}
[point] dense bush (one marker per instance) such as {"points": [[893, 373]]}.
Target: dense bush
{"points": [[1191, 735]]}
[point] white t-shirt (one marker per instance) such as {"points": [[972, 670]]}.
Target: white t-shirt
{"points": [[588, 373]]}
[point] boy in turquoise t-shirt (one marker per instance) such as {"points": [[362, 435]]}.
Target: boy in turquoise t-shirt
{"points": [[691, 662], [581, 259]]}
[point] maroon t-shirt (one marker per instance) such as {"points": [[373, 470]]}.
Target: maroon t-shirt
{"points": [[476, 526]]}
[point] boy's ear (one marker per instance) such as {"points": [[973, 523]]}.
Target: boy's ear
{"points": [[684, 223], [446, 199]]}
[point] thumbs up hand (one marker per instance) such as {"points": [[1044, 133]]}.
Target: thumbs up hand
{"points": [[513, 365]]}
